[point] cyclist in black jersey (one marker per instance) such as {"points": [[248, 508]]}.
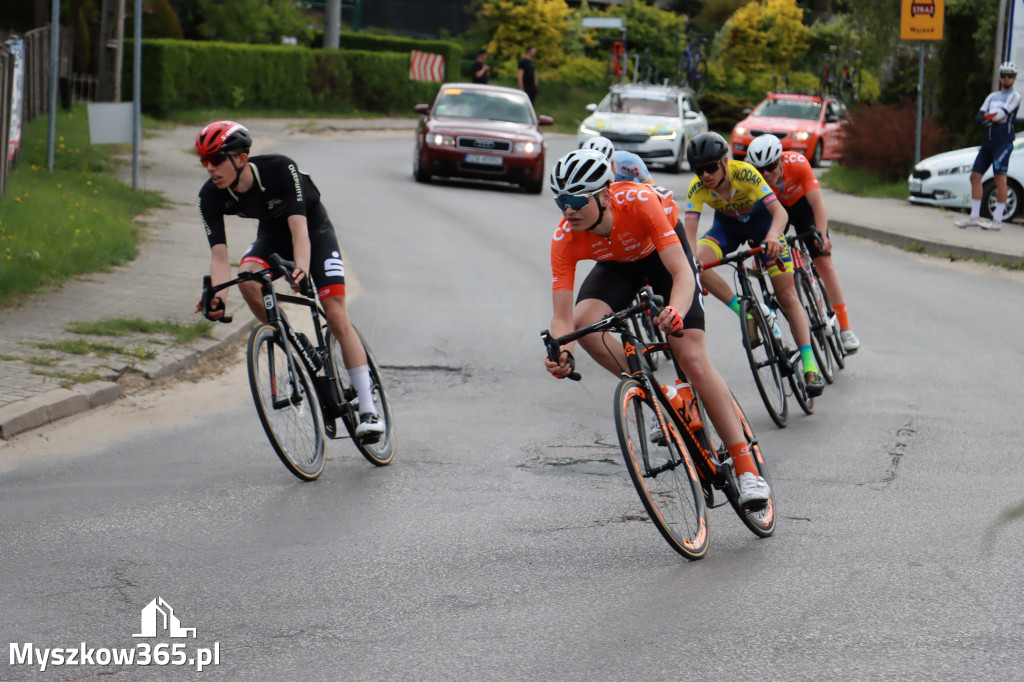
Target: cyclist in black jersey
{"points": [[292, 223]]}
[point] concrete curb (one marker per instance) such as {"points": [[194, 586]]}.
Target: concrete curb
{"points": [[930, 247]]}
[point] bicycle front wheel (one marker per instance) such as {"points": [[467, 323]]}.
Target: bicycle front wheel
{"points": [[664, 475], [818, 326], [835, 342], [286, 403], [764, 362], [382, 451]]}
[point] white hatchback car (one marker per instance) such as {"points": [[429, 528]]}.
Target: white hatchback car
{"points": [[655, 122], [945, 180]]}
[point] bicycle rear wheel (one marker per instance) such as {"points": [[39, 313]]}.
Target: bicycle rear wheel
{"points": [[664, 475], [819, 340], [764, 363], [789, 354], [381, 452], [761, 522], [700, 75], [835, 341], [286, 402]]}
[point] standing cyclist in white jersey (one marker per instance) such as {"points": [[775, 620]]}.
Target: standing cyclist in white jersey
{"points": [[997, 114]]}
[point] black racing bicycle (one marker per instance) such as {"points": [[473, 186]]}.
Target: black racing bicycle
{"points": [[771, 351], [677, 471], [301, 389], [825, 332]]}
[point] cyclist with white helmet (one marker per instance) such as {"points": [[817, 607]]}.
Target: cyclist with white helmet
{"points": [[627, 166], [632, 231], [794, 183], [746, 210], [997, 113]]}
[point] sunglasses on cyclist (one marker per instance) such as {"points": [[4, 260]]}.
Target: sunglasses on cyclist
{"points": [[213, 159], [576, 203], [1007, 75], [706, 169], [769, 168]]}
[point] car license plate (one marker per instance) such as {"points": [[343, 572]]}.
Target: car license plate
{"points": [[914, 185], [484, 159]]}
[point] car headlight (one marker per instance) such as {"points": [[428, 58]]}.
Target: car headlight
{"points": [[739, 130], [584, 130], [525, 147], [441, 140], [802, 135], [956, 170], [665, 136]]}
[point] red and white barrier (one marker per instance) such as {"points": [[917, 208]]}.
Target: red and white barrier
{"points": [[424, 66]]}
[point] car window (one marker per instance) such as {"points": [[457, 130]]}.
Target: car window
{"points": [[808, 111], [486, 105], [619, 103], [690, 103]]}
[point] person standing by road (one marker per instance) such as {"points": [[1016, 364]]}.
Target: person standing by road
{"points": [[794, 183], [997, 113], [528, 73], [293, 223], [481, 70]]}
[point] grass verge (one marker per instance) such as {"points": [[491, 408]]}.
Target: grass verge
{"points": [[77, 219], [125, 326], [859, 183]]}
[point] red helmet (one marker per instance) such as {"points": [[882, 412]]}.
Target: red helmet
{"points": [[223, 137]]}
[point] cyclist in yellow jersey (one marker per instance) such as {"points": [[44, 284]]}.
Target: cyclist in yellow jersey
{"points": [[746, 210]]}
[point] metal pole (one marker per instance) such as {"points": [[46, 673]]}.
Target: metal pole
{"points": [[54, 65], [332, 24], [136, 94], [998, 49], [920, 103]]}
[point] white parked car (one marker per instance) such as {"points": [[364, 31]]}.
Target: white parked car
{"points": [[655, 122], [945, 180]]}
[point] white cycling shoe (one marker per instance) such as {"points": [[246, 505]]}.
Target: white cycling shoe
{"points": [[370, 428], [753, 489]]}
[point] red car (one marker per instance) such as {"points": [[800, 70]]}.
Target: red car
{"points": [[810, 124], [480, 131]]}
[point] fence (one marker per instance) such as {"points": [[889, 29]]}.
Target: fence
{"points": [[34, 87]]}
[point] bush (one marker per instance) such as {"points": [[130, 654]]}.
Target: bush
{"points": [[578, 70], [724, 110], [881, 138]]}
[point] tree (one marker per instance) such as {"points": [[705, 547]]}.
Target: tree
{"points": [[253, 21], [767, 35], [521, 23], [966, 56]]}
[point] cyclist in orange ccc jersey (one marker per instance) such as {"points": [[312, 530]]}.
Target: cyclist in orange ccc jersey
{"points": [[632, 231], [792, 178]]}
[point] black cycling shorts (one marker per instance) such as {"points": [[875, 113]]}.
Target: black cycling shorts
{"points": [[616, 283], [801, 217], [325, 264]]}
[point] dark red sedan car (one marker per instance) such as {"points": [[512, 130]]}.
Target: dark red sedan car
{"points": [[484, 132]]}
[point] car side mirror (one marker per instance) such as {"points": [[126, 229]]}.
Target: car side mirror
{"points": [[747, 111], [690, 115], [591, 107], [831, 118], [422, 108], [545, 120]]}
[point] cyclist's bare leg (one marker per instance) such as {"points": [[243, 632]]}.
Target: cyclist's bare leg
{"points": [[711, 280], [251, 291], [691, 352], [341, 328], [785, 291], [605, 348], [830, 278]]}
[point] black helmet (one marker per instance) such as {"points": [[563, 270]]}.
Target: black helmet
{"points": [[706, 148]]}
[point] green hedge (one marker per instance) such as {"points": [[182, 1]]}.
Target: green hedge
{"points": [[183, 74], [452, 52]]}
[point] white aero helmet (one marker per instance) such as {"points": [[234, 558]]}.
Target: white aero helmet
{"points": [[1007, 68], [580, 172], [764, 151], [601, 144]]}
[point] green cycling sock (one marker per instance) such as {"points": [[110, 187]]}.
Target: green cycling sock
{"points": [[734, 304], [807, 356]]}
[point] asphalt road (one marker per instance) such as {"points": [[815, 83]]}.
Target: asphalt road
{"points": [[506, 541]]}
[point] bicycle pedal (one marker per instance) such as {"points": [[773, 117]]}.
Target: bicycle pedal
{"points": [[754, 507]]}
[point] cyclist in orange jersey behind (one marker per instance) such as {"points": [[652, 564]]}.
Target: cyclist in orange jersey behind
{"points": [[746, 210], [792, 178], [632, 231]]}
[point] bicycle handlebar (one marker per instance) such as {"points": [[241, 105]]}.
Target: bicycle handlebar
{"points": [[739, 256], [277, 265], [648, 302], [811, 232]]}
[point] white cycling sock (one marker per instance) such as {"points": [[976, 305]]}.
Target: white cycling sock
{"points": [[975, 209], [360, 377], [997, 215]]}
